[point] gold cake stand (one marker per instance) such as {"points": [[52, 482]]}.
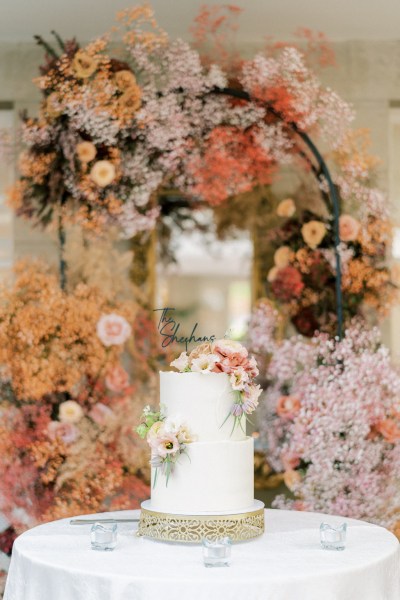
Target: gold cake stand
{"points": [[192, 529]]}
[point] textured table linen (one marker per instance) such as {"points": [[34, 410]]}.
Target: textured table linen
{"points": [[55, 562]]}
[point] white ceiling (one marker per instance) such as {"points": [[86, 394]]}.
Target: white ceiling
{"points": [[339, 19]]}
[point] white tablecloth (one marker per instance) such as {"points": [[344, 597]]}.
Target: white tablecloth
{"points": [[55, 562]]}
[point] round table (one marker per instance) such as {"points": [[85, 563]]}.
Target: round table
{"points": [[55, 562]]}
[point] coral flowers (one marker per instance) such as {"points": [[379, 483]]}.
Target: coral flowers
{"points": [[230, 357]]}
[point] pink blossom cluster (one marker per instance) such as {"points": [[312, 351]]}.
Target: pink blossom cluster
{"points": [[285, 81], [331, 421], [230, 357]]}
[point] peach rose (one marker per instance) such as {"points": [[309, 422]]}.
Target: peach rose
{"points": [[86, 151], [272, 273], [117, 379], [125, 79], [101, 413], [113, 330], [204, 348], [228, 348], [286, 208], [102, 173], [291, 479], [84, 65], [70, 412], [287, 406], [130, 100], [389, 430], [53, 107], [282, 257], [349, 228], [66, 432], [313, 233]]}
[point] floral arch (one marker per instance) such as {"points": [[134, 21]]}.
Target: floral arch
{"points": [[115, 130]]}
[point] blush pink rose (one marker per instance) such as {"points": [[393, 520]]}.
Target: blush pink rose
{"points": [[66, 432], [101, 413], [117, 379], [229, 349], [287, 407], [167, 444], [113, 329], [389, 429], [349, 228]]}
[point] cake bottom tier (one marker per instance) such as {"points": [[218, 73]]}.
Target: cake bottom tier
{"points": [[213, 477]]}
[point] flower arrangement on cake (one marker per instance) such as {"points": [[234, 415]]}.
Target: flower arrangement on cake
{"points": [[167, 438], [231, 357], [66, 400], [330, 422]]}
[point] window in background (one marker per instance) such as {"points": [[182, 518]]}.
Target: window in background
{"points": [[6, 178]]}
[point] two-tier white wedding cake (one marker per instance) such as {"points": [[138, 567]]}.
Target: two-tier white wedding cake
{"points": [[217, 472], [202, 474]]}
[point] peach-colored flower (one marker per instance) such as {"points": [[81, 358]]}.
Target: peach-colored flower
{"points": [[117, 379], [53, 107], [130, 100], [389, 429], [286, 208], [290, 461], [313, 233], [272, 273], [66, 432], [287, 406], [113, 330], [84, 65], [70, 412], [204, 348], [349, 228], [100, 413], [125, 79], [228, 348], [291, 478], [283, 256], [102, 173], [86, 151], [181, 363]]}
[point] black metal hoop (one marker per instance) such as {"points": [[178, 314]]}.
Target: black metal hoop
{"points": [[323, 175]]}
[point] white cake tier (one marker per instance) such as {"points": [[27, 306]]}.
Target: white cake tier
{"points": [[214, 477], [203, 400]]}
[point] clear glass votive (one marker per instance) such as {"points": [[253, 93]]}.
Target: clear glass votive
{"points": [[103, 536], [333, 538], [217, 553]]}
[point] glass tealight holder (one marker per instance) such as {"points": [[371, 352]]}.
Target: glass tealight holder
{"points": [[217, 553], [333, 538], [103, 536]]}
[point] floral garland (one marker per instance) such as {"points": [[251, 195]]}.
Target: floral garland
{"points": [[167, 438], [66, 401], [302, 279], [230, 357], [110, 133]]}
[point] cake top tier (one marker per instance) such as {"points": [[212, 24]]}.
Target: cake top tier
{"points": [[214, 390]]}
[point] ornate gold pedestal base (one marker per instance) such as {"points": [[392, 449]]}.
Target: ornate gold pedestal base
{"points": [[191, 529]]}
